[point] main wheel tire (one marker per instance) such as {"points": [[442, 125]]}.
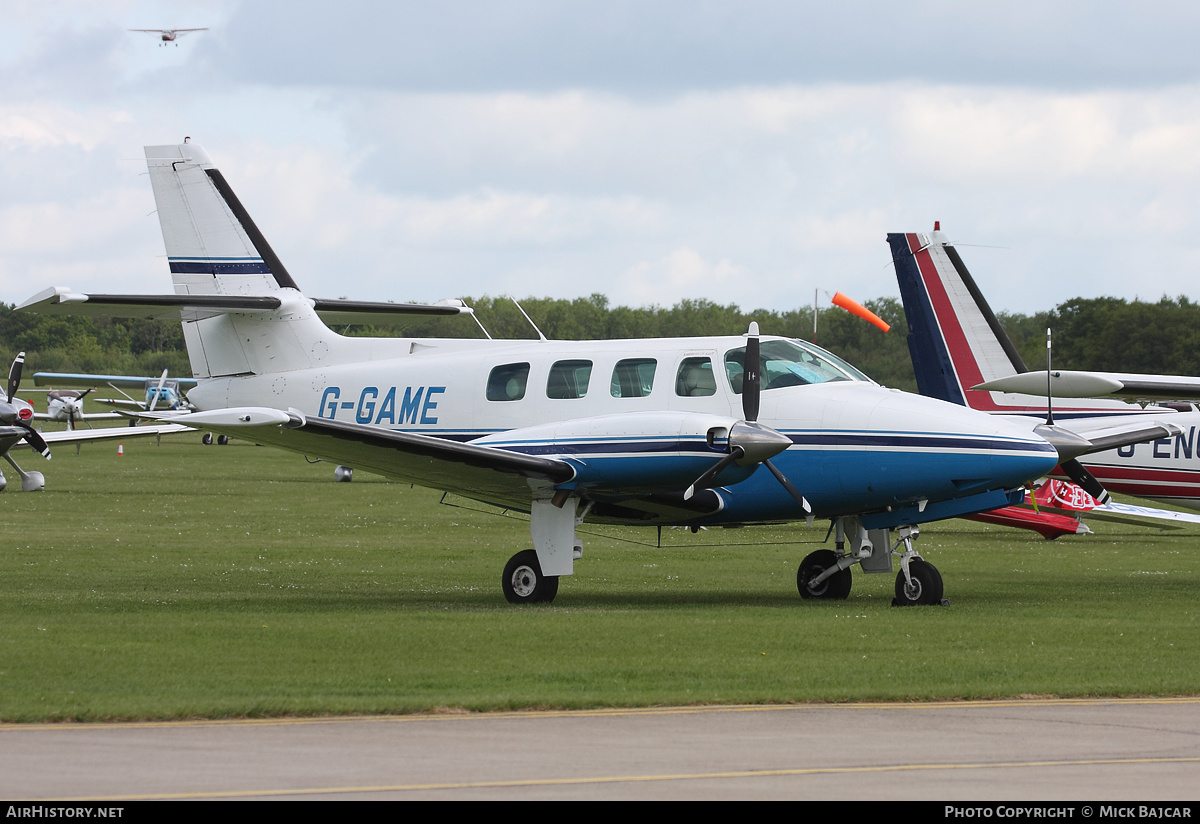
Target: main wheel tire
{"points": [[834, 588], [222, 440], [523, 581], [926, 587], [207, 439]]}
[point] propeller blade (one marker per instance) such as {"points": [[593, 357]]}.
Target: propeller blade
{"points": [[701, 483], [35, 439], [751, 377], [158, 392], [14, 376], [786, 484], [1078, 473]]}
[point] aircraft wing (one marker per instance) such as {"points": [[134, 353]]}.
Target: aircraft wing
{"points": [[110, 433], [481, 472], [1130, 513], [1068, 384], [1084, 436], [77, 380], [90, 416]]}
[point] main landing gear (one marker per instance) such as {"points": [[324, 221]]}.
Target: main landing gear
{"points": [[531, 576], [523, 581], [825, 574]]}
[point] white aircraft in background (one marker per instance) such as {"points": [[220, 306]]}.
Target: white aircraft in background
{"points": [[692, 432], [16, 430], [961, 354], [169, 35], [66, 406]]}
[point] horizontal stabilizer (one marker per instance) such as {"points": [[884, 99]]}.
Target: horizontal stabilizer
{"points": [[60, 300], [1067, 384]]}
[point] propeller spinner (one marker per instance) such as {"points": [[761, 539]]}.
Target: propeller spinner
{"points": [[749, 441]]}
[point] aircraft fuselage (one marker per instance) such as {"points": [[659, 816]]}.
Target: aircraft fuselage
{"points": [[873, 448]]}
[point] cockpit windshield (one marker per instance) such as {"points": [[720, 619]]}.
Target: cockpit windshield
{"points": [[790, 363]]}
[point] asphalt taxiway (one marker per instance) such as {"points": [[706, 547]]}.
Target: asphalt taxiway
{"points": [[1120, 749]]}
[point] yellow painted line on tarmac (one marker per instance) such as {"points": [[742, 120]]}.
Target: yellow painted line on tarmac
{"points": [[625, 779], [465, 715]]}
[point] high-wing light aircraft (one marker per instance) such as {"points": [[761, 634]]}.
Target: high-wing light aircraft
{"points": [[708, 431], [959, 352], [169, 35], [16, 429], [161, 392]]}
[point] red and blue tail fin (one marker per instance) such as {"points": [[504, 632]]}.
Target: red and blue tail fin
{"points": [[955, 339]]}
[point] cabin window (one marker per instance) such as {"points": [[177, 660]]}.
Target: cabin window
{"points": [[633, 377], [695, 378], [569, 379], [507, 382]]}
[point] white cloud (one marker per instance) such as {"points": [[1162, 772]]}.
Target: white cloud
{"points": [[679, 275], [756, 192]]}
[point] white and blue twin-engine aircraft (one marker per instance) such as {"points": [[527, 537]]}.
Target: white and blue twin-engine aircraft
{"points": [[683, 431]]}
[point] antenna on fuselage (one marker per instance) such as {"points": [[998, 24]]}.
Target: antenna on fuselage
{"points": [[478, 321], [531, 323], [1072, 468]]}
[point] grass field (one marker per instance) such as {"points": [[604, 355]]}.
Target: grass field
{"points": [[190, 581]]}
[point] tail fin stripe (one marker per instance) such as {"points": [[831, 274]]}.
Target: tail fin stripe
{"points": [[966, 371], [1014, 357], [274, 264], [218, 266]]}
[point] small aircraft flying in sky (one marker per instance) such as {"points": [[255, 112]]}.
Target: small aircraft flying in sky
{"points": [[16, 429], [169, 35], [962, 355], [693, 432]]}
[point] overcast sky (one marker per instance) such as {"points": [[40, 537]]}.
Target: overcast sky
{"points": [[747, 152]]}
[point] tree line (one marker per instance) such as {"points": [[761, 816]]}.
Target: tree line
{"points": [[1106, 334]]}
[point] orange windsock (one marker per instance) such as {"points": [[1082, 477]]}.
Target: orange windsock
{"points": [[856, 308]]}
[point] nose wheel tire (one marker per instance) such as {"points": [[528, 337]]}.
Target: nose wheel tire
{"points": [[834, 588], [925, 588], [523, 581]]}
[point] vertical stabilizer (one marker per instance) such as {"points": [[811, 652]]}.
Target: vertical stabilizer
{"points": [[214, 248], [954, 337]]}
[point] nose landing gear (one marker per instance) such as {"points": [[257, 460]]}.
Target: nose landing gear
{"points": [[825, 574]]}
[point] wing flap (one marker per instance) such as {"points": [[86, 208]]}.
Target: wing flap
{"points": [[471, 470]]}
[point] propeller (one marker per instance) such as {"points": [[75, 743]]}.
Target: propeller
{"points": [[158, 392], [1068, 444], [13, 415], [749, 441]]}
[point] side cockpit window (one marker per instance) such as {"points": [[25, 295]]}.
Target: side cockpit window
{"points": [[790, 363], [569, 379], [633, 378], [507, 382]]}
